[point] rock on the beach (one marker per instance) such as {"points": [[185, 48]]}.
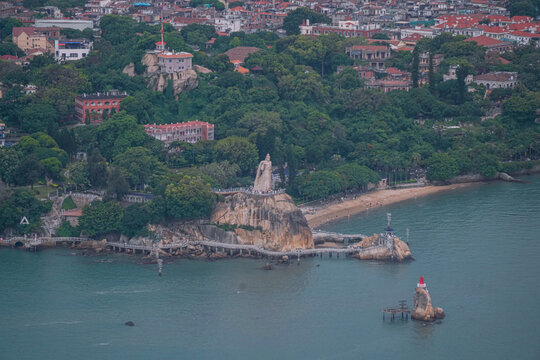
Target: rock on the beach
{"points": [[423, 308]]}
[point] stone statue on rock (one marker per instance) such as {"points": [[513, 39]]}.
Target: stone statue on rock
{"points": [[263, 179]]}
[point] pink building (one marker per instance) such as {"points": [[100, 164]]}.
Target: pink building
{"points": [[191, 131]]}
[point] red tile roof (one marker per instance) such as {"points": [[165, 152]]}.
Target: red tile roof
{"points": [[369, 47], [485, 41], [393, 71], [240, 53]]}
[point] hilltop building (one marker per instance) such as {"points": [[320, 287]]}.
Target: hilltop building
{"points": [[191, 131], [170, 61]]}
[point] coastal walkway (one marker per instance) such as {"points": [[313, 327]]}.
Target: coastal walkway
{"points": [[247, 190], [319, 235], [209, 246], [234, 249], [33, 243]]}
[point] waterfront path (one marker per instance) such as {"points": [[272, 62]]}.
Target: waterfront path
{"points": [[209, 246], [213, 246]]}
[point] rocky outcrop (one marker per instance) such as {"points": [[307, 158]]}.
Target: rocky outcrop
{"points": [[151, 63], [129, 70], [181, 81], [201, 69], [423, 308], [377, 247], [272, 222]]}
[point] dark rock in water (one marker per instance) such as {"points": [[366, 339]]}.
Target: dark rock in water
{"points": [[129, 323], [318, 265], [267, 266]]}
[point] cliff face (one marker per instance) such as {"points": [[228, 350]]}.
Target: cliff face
{"points": [[423, 308], [272, 222]]}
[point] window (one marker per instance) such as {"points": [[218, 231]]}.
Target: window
{"points": [[73, 55], [107, 103], [114, 102]]}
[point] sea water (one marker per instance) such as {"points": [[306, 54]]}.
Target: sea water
{"points": [[477, 248]]}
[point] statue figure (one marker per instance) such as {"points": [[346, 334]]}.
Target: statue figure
{"points": [[263, 180]]}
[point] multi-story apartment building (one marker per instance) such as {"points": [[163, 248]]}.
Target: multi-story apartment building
{"points": [[374, 55], [191, 131], [29, 38], [90, 108]]}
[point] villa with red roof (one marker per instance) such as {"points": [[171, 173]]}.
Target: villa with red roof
{"points": [[191, 131], [492, 45]]}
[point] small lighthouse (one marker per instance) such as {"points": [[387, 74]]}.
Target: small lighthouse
{"points": [[421, 283]]}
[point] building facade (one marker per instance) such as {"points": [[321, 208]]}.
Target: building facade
{"points": [[71, 50], [497, 80], [29, 38], [170, 62], [191, 132], [90, 108], [375, 55]]}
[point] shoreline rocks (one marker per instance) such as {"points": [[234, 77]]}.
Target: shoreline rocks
{"points": [[374, 249]]}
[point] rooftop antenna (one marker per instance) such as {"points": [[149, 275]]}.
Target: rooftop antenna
{"points": [[162, 43]]}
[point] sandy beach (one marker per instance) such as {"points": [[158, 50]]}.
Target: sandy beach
{"points": [[316, 216]]}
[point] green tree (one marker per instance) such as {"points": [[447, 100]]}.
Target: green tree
{"points": [[521, 106], [320, 184], [7, 25], [100, 218], [22, 203], [237, 151], [52, 167], [189, 198], [415, 64], [294, 18], [442, 167], [38, 117], [77, 175], [9, 162], [117, 185], [139, 164], [97, 169], [29, 171], [135, 220]]}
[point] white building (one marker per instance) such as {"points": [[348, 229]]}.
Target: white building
{"points": [[71, 50], [65, 24], [497, 80], [228, 24]]}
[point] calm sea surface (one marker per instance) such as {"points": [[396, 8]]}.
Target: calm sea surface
{"points": [[478, 249]]}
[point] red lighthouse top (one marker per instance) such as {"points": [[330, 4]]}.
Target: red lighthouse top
{"points": [[421, 283]]}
